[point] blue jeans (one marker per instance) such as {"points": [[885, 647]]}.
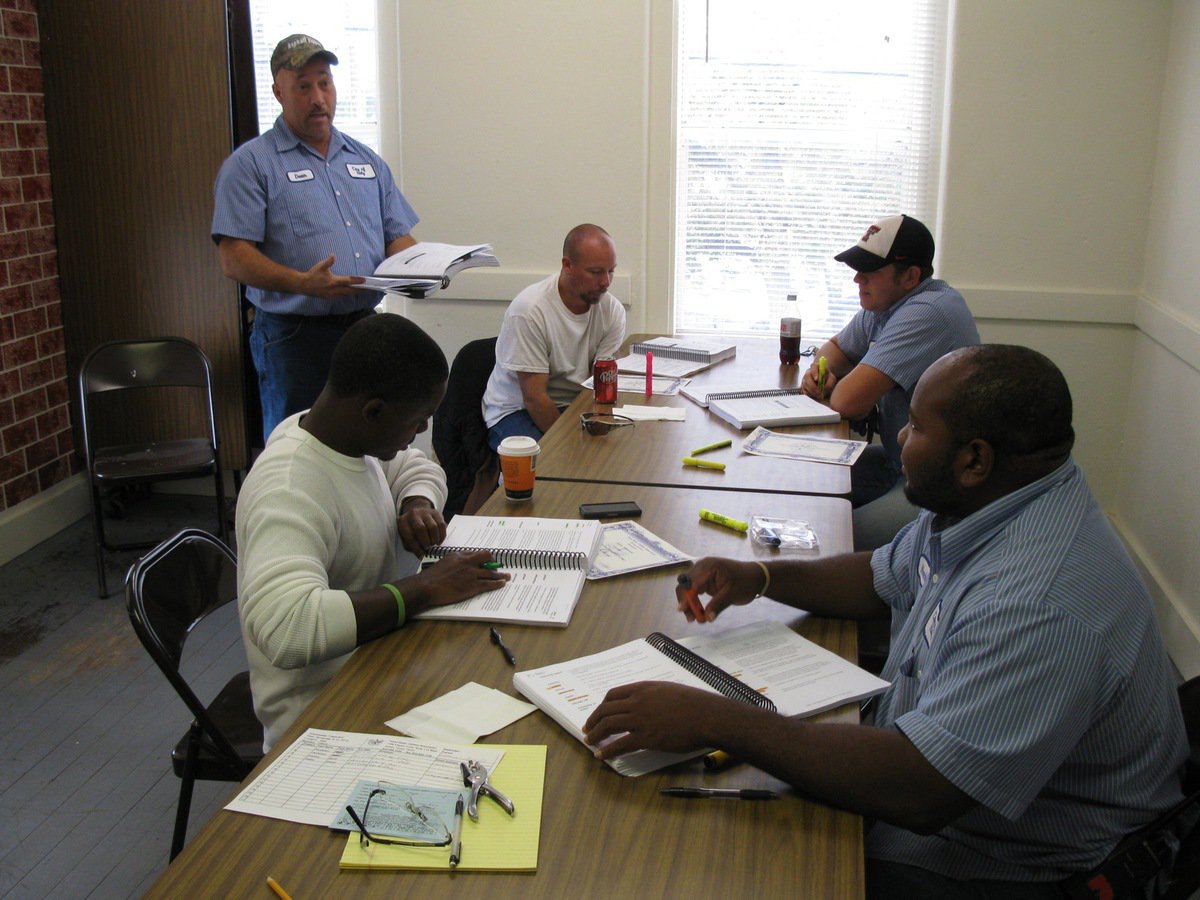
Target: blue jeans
{"points": [[292, 355], [871, 476], [519, 422]]}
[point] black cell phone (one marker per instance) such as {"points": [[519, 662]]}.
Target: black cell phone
{"points": [[624, 509]]}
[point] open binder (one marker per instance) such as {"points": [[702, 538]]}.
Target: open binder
{"points": [[547, 561], [765, 664]]}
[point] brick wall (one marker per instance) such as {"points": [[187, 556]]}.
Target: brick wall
{"points": [[36, 445]]}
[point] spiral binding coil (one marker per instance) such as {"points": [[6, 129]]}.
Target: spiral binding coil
{"points": [[738, 395], [521, 559], [708, 673]]}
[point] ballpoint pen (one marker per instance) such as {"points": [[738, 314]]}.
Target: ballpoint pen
{"points": [[456, 841], [499, 642], [702, 793]]}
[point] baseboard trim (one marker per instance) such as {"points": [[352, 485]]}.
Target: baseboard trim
{"points": [[41, 517]]}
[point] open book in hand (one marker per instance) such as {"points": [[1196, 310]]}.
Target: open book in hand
{"points": [[764, 663], [421, 269], [547, 560]]}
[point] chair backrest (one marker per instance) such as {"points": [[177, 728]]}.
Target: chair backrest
{"points": [[459, 432], [161, 362], [168, 592], [155, 363]]}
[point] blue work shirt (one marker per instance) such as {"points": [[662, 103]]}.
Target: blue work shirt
{"points": [[299, 208], [902, 342], [1027, 668]]}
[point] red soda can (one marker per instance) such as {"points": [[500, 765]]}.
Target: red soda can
{"points": [[604, 379]]}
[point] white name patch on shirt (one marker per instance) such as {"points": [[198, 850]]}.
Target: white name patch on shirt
{"points": [[363, 170], [931, 624], [301, 175]]}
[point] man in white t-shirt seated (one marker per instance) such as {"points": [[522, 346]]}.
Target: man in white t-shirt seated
{"points": [[551, 335]]}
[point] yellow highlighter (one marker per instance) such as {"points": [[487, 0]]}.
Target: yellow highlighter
{"points": [[704, 463], [736, 524], [821, 368], [714, 446]]}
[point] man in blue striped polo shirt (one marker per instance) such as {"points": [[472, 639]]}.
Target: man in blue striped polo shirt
{"points": [[1032, 719], [293, 206], [907, 321]]}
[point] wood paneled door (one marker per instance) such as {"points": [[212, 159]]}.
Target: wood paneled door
{"points": [[139, 120]]}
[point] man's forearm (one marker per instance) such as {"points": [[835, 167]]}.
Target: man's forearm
{"points": [[243, 262], [840, 586], [875, 772], [542, 410]]}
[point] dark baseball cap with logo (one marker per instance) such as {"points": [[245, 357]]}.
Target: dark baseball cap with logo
{"points": [[894, 239], [296, 51]]}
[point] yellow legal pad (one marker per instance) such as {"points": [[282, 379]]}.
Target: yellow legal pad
{"points": [[497, 842]]}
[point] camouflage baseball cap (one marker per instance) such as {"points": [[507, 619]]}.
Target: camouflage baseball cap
{"points": [[296, 51]]}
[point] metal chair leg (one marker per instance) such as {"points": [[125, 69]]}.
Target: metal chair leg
{"points": [[187, 780]]}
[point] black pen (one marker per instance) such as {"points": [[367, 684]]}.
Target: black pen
{"points": [[499, 642], [702, 793]]}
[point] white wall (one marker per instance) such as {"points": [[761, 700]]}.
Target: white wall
{"points": [[1158, 490]]}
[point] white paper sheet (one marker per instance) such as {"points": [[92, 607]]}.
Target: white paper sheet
{"points": [[462, 716]]}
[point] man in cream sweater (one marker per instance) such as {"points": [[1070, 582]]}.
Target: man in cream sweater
{"points": [[334, 516]]}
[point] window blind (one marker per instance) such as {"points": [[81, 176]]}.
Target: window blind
{"points": [[347, 29], [798, 124]]}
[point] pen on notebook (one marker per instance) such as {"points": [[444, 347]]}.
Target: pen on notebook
{"points": [[704, 463], [278, 889], [649, 374], [499, 642], [717, 445], [701, 793], [736, 524], [692, 596], [456, 841]]}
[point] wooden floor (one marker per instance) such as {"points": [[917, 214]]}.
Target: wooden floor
{"points": [[87, 722]]}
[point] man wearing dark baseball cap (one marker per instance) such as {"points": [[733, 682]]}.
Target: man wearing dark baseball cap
{"points": [[296, 51], [907, 321], [302, 214]]}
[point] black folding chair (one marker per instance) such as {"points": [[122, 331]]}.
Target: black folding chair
{"points": [[168, 592], [129, 366]]}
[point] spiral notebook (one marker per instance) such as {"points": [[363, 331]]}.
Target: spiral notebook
{"points": [[764, 663], [547, 561], [690, 348]]}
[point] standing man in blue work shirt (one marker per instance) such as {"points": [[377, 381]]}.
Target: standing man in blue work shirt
{"points": [[293, 204], [908, 320]]}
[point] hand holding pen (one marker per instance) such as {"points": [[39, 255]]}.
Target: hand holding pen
{"points": [[726, 581]]}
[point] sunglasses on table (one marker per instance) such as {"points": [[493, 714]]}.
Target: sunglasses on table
{"points": [[602, 423]]}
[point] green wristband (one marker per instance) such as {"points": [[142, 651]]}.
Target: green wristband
{"points": [[395, 592]]}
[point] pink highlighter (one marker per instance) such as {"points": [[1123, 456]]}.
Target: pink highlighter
{"points": [[649, 374]]}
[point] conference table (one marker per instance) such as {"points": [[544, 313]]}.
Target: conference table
{"points": [[602, 835], [651, 452]]}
